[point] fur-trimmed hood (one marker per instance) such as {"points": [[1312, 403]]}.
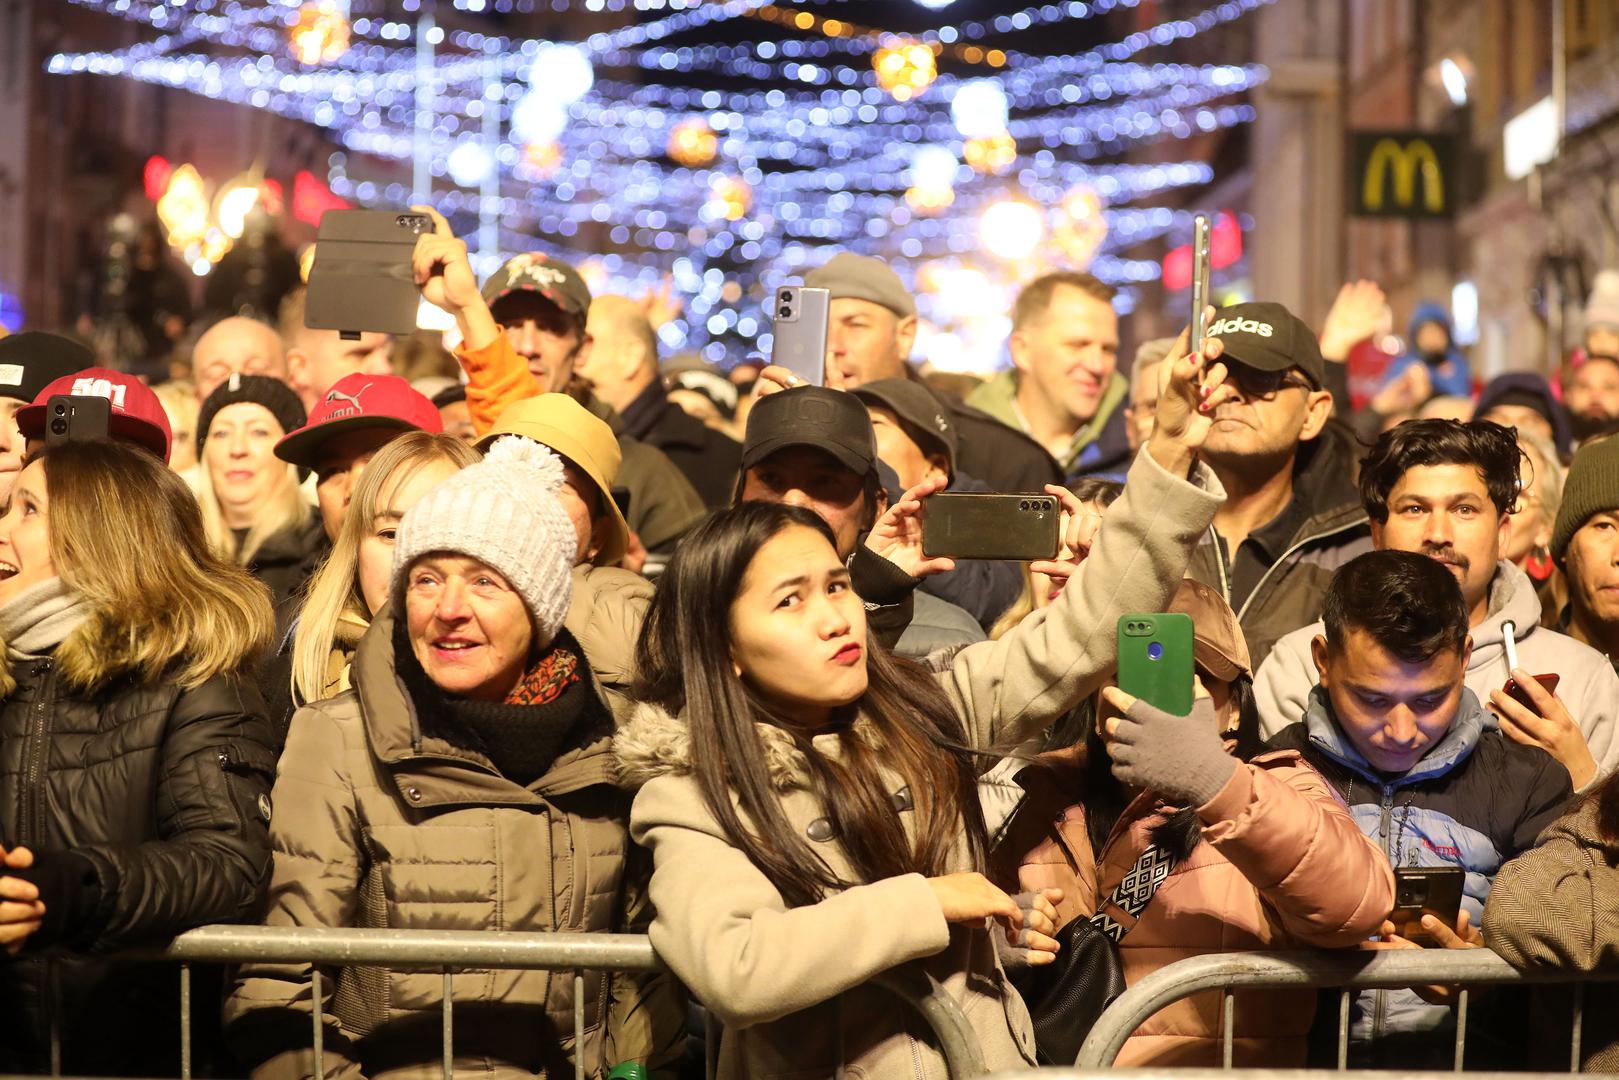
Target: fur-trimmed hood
{"points": [[654, 743]]}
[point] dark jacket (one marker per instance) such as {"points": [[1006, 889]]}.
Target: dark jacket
{"points": [[1000, 456], [1475, 800], [1101, 447], [286, 559], [164, 794], [1530, 384], [1334, 531], [706, 457]]}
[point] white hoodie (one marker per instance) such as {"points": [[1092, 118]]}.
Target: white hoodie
{"points": [[1588, 687]]}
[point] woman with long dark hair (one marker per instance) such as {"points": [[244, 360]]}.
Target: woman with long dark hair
{"points": [[1557, 907], [810, 801]]}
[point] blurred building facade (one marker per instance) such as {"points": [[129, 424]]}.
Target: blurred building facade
{"points": [[1522, 242]]}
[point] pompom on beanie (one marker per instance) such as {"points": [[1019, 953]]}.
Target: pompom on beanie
{"points": [[505, 512]]}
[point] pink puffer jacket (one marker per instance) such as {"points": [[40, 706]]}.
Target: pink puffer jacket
{"points": [[1281, 865]]}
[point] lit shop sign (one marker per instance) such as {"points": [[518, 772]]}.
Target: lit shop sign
{"points": [[1401, 174]]}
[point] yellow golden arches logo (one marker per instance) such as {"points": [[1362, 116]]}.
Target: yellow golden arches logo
{"points": [[1405, 161]]}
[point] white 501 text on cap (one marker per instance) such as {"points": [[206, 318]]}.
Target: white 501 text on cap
{"points": [[100, 388], [11, 374]]}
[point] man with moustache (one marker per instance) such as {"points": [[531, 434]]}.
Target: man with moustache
{"points": [[1447, 490], [1291, 515]]}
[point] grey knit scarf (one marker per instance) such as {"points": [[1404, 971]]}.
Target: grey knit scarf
{"points": [[40, 618]]}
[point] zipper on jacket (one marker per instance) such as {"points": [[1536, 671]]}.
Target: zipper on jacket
{"points": [[33, 800], [1260, 584], [1386, 826]]}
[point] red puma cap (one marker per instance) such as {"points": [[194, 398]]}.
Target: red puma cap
{"points": [[359, 401]]}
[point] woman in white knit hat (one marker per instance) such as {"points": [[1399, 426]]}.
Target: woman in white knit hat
{"points": [[464, 782]]}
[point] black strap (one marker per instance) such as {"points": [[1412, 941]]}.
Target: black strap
{"points": [[1135, 892]]}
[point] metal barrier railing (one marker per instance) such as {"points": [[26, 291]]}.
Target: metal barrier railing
{"points": [[1185, 1073], [1349, 970], [457, 950]]}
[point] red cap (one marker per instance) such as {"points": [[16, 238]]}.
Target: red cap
{"points": [[359, 401], [136, 417]]}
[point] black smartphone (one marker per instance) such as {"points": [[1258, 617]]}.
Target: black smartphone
{"points": [[1426, 890], [970, 525], [361, 278], [73, 416], [800, 318]]}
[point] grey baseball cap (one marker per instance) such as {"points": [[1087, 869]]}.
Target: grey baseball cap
{"points": [[848, 276]]}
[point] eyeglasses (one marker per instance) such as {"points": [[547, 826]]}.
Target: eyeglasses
{"points": [[1259, 385]]}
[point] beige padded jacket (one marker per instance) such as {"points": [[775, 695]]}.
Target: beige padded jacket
{"points": [[380, 824], [790, 985]]}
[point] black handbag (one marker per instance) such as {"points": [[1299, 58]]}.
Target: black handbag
{"points": [[1065, 998]]}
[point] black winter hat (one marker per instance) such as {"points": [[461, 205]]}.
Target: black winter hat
{"points": [[273, 394], [32, 360]]}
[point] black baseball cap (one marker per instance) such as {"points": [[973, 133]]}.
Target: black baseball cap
{"points": [[925, 421], [1268, 337], [829, 420], [32, 360]]}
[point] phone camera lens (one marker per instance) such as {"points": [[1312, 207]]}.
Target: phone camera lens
{"points": [[1155, 651], [61, 409]]}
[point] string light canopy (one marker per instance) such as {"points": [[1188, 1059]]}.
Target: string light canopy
{"points": [[731, 158]]}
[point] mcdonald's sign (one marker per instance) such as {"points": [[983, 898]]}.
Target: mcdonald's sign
{"points": [[1406, 174]]}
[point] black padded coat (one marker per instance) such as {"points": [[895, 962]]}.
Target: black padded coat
{"points": [[166, 793]]}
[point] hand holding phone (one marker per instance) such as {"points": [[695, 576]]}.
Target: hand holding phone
{"points": [[972, 525], [362, 278], [800, 321], [1426, 890]]}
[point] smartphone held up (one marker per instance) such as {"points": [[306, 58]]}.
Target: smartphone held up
{"points": [[361, 278], [801, 318]]}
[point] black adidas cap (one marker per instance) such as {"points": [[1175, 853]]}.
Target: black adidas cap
{"points": [[1268, 337]]}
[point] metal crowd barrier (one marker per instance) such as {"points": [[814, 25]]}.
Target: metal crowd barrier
{"points": [[1349, 970], [1260, 1074], [453, 950]]}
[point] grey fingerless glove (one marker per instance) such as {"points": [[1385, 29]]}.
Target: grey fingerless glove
{"points": [[1182, 758]]}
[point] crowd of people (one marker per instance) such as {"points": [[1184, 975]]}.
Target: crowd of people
{"points": [[549, 634]]}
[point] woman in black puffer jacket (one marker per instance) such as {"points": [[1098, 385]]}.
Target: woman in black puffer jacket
{"points": [[135, 761]]}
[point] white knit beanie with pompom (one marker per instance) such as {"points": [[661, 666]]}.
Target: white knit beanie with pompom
{"points": [[504, 512]]}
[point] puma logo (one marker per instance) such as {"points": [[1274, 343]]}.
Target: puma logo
{"points": [[351, 401]]}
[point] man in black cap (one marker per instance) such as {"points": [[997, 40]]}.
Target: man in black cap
{"points": [[1292, 513], [916, 441], [871, 333], [29, 362], [815, 448]]}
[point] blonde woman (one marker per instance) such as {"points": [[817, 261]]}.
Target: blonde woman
{"points": [[252, 507], [352, 583], [179, 400], [135, 757]]}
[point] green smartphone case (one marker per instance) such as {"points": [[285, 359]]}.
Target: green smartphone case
{"points": [[1155, 659]]}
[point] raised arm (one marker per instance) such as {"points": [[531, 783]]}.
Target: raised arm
{"points": [[1007, 689]]}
